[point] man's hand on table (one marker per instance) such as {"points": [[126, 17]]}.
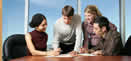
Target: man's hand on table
{"points": [[97, 53]]}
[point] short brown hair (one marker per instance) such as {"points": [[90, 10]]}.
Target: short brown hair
{"points": [[68, 11], [93, 10]]}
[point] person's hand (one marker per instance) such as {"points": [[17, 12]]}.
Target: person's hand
{"points": [[83, 50], [91, 51], [58, 49], [99, 52], [74, 53], [53, 53]]}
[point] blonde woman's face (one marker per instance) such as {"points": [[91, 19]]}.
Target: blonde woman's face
{"points": [[89, 17]]}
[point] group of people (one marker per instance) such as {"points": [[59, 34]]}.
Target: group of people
{"points": [[100, 35]]}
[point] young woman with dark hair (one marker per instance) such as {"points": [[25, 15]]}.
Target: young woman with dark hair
{"points": [[37, 39]]}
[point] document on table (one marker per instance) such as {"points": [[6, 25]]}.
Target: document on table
{"points": [[86, 54], [68, 55]]}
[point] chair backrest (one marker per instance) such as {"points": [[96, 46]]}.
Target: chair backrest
{"points": [[126, 51], [14, 47], [128, 46], [128, 43]]}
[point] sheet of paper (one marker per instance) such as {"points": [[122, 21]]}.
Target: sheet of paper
{"points": [[86, 54], [68, 55], [62, 55]]}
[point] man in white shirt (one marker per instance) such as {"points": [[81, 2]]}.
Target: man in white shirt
{"points": [[67, 31]]}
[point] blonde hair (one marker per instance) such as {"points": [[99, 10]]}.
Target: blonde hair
{"points": [[93, 10]]}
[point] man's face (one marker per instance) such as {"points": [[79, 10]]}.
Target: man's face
{"points": [[67, 20], [89, 17], [97, 29]]}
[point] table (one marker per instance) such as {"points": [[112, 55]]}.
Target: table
{"points": [[78, 58]]}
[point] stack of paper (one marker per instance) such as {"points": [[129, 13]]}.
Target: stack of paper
{"points": [[86, 54]]}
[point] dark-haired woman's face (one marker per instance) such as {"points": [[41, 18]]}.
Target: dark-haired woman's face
{"points": [[42, 27]]}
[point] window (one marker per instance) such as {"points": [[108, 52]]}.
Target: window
{"points": [[13, 17], [127, 18], [52, 9], [108, 8]]}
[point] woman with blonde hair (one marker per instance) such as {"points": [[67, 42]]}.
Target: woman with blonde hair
{"points": [[90, 38]]}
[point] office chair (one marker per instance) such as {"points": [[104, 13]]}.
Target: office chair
{"points": [[126, 51], [14, 47]]}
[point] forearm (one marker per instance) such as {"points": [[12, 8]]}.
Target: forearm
{"points": [[84, 31], [36, 52], [77, 46], [85, 41], [46, 53], [79, 41], [85, 35]]}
